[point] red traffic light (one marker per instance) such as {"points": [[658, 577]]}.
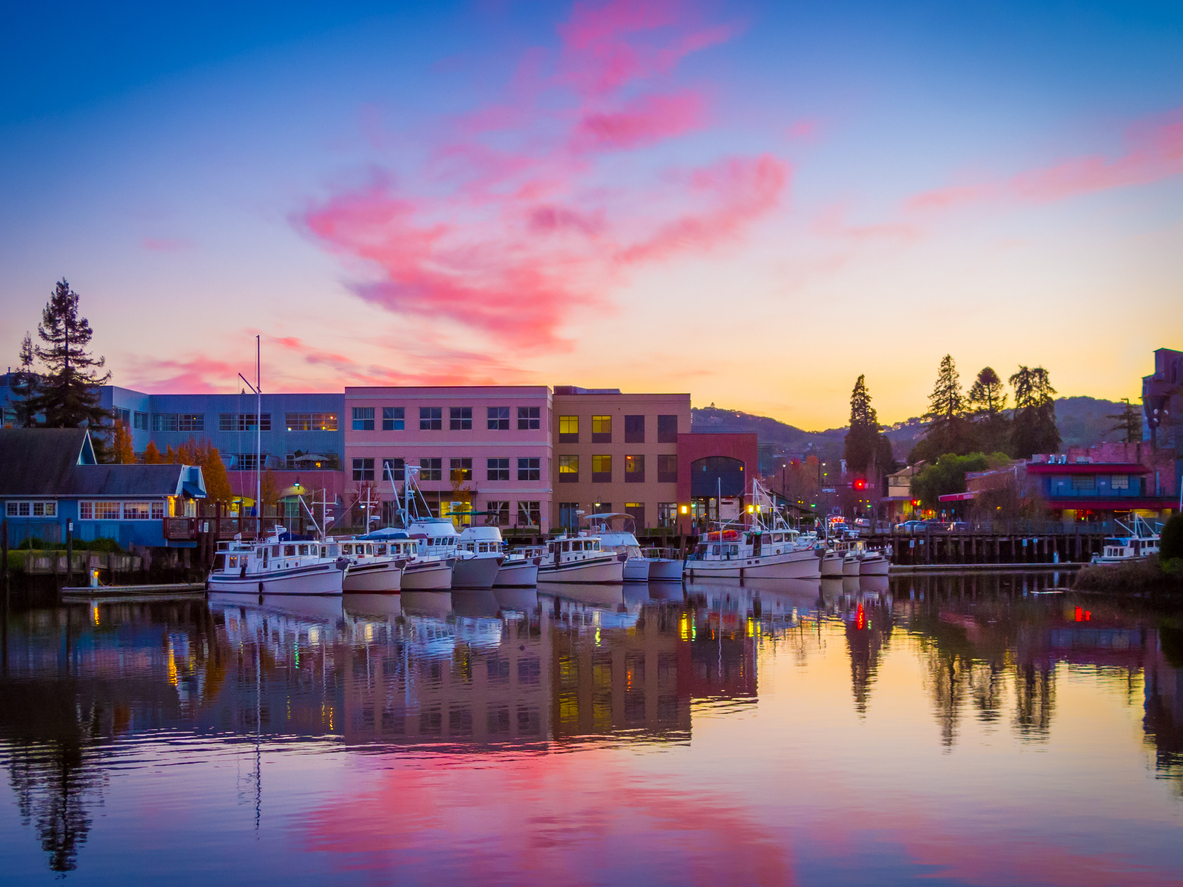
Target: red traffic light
{"points": [[860, 484]]}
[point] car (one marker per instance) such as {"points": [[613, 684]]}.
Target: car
{"points": [[862, 523], [958, 526], [911, 526]]}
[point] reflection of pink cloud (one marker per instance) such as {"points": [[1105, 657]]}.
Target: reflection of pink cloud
{"points": [[508, 229], [164, 244], [1154, 151]]}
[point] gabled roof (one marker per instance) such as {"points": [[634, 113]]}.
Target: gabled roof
{"points": [[127, 480], [40, 461]]}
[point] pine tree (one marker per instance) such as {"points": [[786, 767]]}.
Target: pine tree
{"points": [[861, 439], [123, 451], [69, 394], [988, 400], [1034, 427], [1128, 421], [948, 430], [27, 387]]}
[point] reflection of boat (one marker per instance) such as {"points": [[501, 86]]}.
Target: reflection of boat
{"points": [[850, 584], [601, 594], [278, 565], [368, 606], [666, 591], [475, 603], [873, 583], [428, 603], [636, 594], [580, 559], [479, 633], [322, 609], [524, 600]]}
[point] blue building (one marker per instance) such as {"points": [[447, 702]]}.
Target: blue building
{"points": [[51, 485]]}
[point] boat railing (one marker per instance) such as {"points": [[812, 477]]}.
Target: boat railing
{"points": [[669, 554]]}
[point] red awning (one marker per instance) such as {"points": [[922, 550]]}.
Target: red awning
{"points": [[958, 497], [1087, 468]]}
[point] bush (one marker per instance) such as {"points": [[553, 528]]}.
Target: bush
{"points": [[35, 544], [105, 545], [1171, 544]]}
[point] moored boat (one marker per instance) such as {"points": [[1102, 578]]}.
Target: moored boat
{"points": [[580, 559], [665, 565], [1139, 542], [520, 568], [278, 565], [478, 557]]}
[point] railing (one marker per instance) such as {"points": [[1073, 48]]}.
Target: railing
{"points": [[1007, 528]]}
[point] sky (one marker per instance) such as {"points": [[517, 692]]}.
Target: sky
{"points": [[755, 202]]}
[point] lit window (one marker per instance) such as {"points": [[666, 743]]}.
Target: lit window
{"points": [[568, 429], [568, 469]]}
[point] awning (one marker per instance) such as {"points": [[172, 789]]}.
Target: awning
{"points": [[958, 497], [192, 490]]}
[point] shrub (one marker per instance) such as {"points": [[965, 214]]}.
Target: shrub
{"points": [[34, 543], [1171, 544], [105, 545]]}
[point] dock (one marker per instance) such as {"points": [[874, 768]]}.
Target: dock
{"points": [[163, 591]]}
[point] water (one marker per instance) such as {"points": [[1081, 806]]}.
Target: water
{"points": [[954, 730]]}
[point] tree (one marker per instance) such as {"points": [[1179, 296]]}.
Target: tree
{"points": [[862, 438], [1128, 421], [1033, 429], [988, 403], [946, 476], [948, 429], [124, 452], [152, 454], [69, 392], [27, 387]]}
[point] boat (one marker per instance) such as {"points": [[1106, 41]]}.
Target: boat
{"points": [[520, 568], [665, 564], [278, 564], [1139, 542], [830, 565], [422, 570], [580, 559], [622, 541], [873, 563], [479, 557], [766, 547], [375, 567]]}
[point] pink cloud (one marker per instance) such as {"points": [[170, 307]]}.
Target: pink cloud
{"points": [[832, 223], [164, 244], [802, 130], [512, 227], [197, 374], [1153, 151]]}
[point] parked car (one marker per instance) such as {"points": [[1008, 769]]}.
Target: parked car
{"points": [[862, 523], [911, 526], [958, 526]]}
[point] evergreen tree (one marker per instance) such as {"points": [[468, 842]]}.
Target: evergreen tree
{"points": [[69, 392], [1034, 427], [27, 387], [948, 430], [1128, 422], [988, 402], [862, 438], [152, 454]]}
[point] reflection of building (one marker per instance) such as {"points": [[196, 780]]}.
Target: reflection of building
{"points": [[868, 631], [1163, 722]]}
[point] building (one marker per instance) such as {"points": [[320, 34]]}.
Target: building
{"points": [[1110, 479], [475, 449], [1162, 402], [617, 452], [715, 476], [52, 488]]}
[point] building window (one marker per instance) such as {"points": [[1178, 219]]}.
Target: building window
{"points": [[569, 515], [157, 511], [431, 418], [601, 429], [498, 469], [568, 429], [667, 429], [497, 513], [460, 418], [394, 418], [363, 418], [463, 466], [107, 511], [140, 421], [667, 514], [137, 510], [601, 469], [243, 421], [86, 511], [31, 509], [45, 509], [634, 429], [246, 461], [125, 418], [634, 469], [311, 421], [667, 469], [394, 469], [529, 418], [568, 469], [178, 422], [498, 418], [1121, 481], [1083, 482], [363, 469], [529, 469], [637, 511], [431, 469], [529, 514]]}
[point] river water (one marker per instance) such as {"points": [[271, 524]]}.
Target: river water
{"points": [[946, 729]]}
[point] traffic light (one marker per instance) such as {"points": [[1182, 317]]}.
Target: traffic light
{"points": [[860, 483], [915, 502]]}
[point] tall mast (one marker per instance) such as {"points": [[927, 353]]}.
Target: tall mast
{"points": [[259, 431]]}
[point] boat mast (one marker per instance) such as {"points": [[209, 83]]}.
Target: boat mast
{"points": [[259, 431]]}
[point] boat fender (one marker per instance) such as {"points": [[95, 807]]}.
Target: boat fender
{"points": [[242, 572], [260, 587], [342, 562]]}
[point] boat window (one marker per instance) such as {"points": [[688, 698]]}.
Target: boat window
{"points": [[275, 551], [347, 549], [714, 549], [776, 537], [289, 550], [735, 549], [303, 549], [380, 550], [577, 546], [566, 546], [263, 551], [233, 562]]}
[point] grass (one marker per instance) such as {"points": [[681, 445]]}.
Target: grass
{"points": [[1152, 576]]}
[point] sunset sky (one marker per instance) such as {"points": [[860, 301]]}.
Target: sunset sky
{"points": [[754, 202]]}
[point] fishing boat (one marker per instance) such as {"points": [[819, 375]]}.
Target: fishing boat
{"points": [[580, 559], [665, 564], [479, 557], [622, 541], [520, 568], [422, 570], [278, 564], [873, 563], [766, 547], [1139, 542], [374, 567]]}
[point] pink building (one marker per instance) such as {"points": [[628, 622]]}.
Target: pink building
{"points": [[483, 449]]}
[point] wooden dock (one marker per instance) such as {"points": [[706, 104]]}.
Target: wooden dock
{"points": [[164, 591]]}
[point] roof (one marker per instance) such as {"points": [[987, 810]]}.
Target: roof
{"points": [[127, 480], [40, 461], [1087, 468]]}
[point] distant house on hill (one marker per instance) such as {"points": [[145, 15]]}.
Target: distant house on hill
{"points": [[50, 480]]}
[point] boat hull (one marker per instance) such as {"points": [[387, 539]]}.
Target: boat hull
{"points": [[875, 565], [429, 576], [664, 569], [791, 565], [321, 579], [636, 569], [517, 574], [610, 570], [850, 567], [373, 578], [831, 566], [475, 572]]}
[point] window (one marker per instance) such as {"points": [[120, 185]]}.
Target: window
{"points": [[634, 469], [568, 429], [363, 469], [601, 429], [529, 418], [431, 469], [602, 508], [139, 421], [498, 418], [106, 511], [137, 510], [178, 422], [157, 511], [498, 469], [394, 418], [667, 514], [464, 466], [45, 509], [569, 515], [634, 429], [637, 510], [85, 510], [394, 469], [498, 513], [1121, 481], [529, 514], [460, 418], [529, 469], [1082, 482], [667, 429], [125, 418], [667, 469], [17, 509], [311, 421], [601, 469], [243, 421], [568, 469], [431, 418], [363, 418], [245, 461]]}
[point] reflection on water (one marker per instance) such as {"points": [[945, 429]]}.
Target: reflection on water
{"points": [[561, 668]]}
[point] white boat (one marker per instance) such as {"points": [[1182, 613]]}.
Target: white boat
{"points": [[520, 568], [1139, 542], [478, 558], [873, 563], [665, 565], [622, 541], [831, 564], [423, 569], [580, 559], [375, 567], [771, 550], [278, 565]]}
